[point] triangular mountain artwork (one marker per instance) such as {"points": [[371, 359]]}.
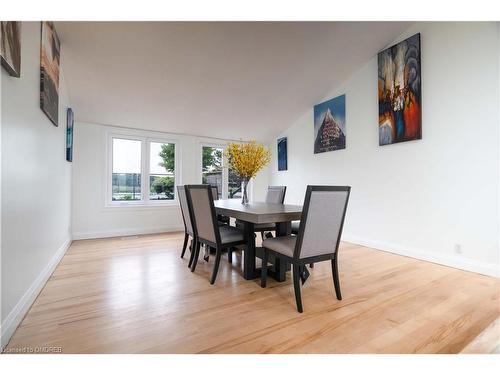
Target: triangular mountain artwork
{"points": [[329, 125]]}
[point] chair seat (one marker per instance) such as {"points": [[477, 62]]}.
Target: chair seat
{"points": [[258, 227], [282, 245], [295, 226], [230, 234]]}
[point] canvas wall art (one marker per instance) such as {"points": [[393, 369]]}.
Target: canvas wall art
{"points": [[70, 120], [282, 154], [399, 92], [10, 47], [49, 72], [329, 125]]}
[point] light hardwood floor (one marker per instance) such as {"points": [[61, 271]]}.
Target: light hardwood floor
{"points": [[134, 295], [486, 342]]}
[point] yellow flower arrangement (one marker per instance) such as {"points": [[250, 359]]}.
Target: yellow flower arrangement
{"points": [[247, 158]]}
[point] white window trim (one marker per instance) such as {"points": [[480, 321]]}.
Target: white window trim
{"points": [[145, 138]]}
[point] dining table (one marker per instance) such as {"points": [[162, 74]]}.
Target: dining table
{"points": [[260, 213]]}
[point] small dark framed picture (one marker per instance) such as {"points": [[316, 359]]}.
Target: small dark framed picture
{"points": [[70, 120], [282, 154]]}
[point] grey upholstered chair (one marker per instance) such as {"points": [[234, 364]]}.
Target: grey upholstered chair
{"points": [[215, 192], [223, 220], [275, 194], [295, 230], [188, 227], [318, 238], [206, 228]]}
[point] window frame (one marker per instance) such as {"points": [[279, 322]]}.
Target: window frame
{"points": [[145, 139]]}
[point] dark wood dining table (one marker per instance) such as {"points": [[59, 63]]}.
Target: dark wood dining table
{"points": [[260, 213]]}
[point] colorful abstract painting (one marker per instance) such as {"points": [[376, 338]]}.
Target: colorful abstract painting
{"points": [[282, 154], [10, 47], [70, 120], [49, 72], [329, 125], [400, 93]]}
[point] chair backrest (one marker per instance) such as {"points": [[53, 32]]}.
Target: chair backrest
{"points": [[215, 192], [322, 221], [202, 210], [185, 210], [275, 194]]}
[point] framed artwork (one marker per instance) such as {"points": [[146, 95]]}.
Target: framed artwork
{"points": [[282, 154], [70, 120], [329, 125], [10, 47], [400, 92], [49, 72]]}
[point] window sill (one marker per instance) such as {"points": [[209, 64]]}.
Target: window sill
{"points": [[140, 206]]}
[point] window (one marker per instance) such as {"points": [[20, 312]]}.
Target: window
{"points": [[234, 184], [212, 167], [214, 171], [161, 171], [126, 170], [143, 171]]}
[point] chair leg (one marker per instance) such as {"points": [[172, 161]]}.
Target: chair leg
{"points": [[263, 270], [193, 251], [218, 253], [196, 255], [296, 287], [230, 255], [336, 281], [186, 238]]}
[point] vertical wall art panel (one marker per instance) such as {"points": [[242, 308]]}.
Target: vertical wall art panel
{"points": [[10, 47], [282, 154], [399, 92], [49, 72], [70, 119], [329, 125]]}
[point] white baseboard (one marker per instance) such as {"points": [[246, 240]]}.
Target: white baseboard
{"points": [[17, 314], [484, 268], [123, 232]]}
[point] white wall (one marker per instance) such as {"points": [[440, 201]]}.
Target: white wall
{"points": [[418, 198], [498, 41], [36, 184], [91, 219]]}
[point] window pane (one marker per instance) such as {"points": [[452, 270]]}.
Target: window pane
{"points": [[212, 167], [126, 184], [162, 171], [234, 184], [126, 156]]}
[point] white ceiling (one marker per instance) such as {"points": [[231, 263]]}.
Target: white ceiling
{"points": [[246, 80]]}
